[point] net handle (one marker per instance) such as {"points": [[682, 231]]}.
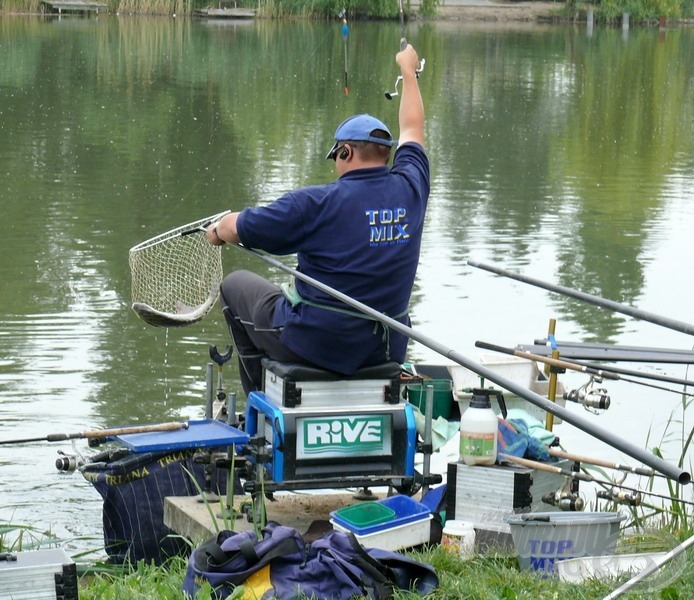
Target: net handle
{"points": [[180, 231]]}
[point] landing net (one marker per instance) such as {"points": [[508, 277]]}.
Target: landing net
{"points": [[176, 275]]}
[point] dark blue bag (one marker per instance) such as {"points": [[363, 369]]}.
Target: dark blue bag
{"points": [[281, 564], [133, 488]]}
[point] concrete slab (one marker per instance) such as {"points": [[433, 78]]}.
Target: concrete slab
{"points": [[198, 521]]}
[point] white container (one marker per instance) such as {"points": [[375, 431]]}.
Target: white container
{"points": [[394, 538], [577, 570], [478, 429], [459, 538]]}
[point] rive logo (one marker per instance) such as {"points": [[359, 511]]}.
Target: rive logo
{"points": [[355, 435]]}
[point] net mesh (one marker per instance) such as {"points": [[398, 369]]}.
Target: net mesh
{"points": [[176, 275]]}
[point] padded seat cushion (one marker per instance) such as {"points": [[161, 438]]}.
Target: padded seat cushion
{"points": [[299, 372]]}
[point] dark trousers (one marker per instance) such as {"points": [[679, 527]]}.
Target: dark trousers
{"points": [[248, 303]]}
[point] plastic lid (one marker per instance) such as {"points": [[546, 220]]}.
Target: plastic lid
{"points": [[365, 513], [456, 527]]}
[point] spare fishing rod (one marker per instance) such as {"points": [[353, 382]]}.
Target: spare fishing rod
{"points": [[533, 464], [669, 470], [590, 298], [634, 373], [599, 462], [593, 399], [573, 365], [100, 433], [403, 45]]}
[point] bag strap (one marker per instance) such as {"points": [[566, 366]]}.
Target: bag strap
{"points": [[211, 549], [380, 585], [210, 552]]}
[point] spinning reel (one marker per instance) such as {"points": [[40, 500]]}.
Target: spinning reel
{"points": [[592, 398]]}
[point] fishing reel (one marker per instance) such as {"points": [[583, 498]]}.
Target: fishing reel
{"points": [[592, 398], [418, 70], [398, 79], [69, 463], [564, 500], [624, 497]]}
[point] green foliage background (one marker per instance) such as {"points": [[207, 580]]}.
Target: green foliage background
{"points": [[608, 11]]}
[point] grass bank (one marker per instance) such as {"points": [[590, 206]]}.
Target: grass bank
{"points": [[495, 577]]}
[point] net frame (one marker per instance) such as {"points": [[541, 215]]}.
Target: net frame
{"points": [[175, 276]]}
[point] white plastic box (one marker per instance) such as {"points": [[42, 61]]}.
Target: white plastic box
{"points": [[394, 538]]}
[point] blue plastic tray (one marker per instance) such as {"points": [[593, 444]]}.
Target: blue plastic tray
{"points": [[205, 433], [407, 510]]}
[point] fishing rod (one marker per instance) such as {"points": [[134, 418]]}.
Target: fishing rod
{"points": [[101, 433], [403, 45], [633, 373], [632, 450], [578, 366], [599, 462], [533, 464], [590, 298], [591, 398]]}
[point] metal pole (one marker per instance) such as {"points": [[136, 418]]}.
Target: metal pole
{"points": [[428, 416], [635, 452], [650, 569], [590, 298], [209, 391]]}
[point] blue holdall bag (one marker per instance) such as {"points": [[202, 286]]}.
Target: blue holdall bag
{"points": [[282, 564]]}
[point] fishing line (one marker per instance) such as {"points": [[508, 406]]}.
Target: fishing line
{"points": [[345, 40]]}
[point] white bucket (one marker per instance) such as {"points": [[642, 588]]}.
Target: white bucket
{"points": [[459, 538]]}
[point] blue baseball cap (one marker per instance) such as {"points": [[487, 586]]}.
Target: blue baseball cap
{"points": [[359, 128]]}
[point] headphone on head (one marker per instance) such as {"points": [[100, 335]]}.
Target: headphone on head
{"points": [[344, 154]]}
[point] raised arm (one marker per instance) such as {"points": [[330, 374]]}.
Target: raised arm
{"points": [[411, 115]]}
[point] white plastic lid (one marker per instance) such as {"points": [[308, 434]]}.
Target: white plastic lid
{"points": [[454, 527]]}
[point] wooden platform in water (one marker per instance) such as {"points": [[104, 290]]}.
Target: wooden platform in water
{"points": [[61, 6], [195, 520], [225, 13]]}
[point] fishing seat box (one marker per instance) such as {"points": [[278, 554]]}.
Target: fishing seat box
{"points": [[38, 575], [293, 385], [486, 495], [321, 425]]}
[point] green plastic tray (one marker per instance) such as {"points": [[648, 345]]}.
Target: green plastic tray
{"points": [[365, 514]]}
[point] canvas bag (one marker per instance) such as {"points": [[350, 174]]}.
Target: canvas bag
{"points": [[282, 565], [133, 488]]}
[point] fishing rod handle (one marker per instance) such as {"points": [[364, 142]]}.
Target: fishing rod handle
{"points": [[101, 433]]}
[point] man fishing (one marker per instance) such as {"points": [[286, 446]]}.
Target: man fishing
{"points": [[360, 234]]}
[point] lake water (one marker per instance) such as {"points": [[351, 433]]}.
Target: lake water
{"points": [[557, 152]]}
